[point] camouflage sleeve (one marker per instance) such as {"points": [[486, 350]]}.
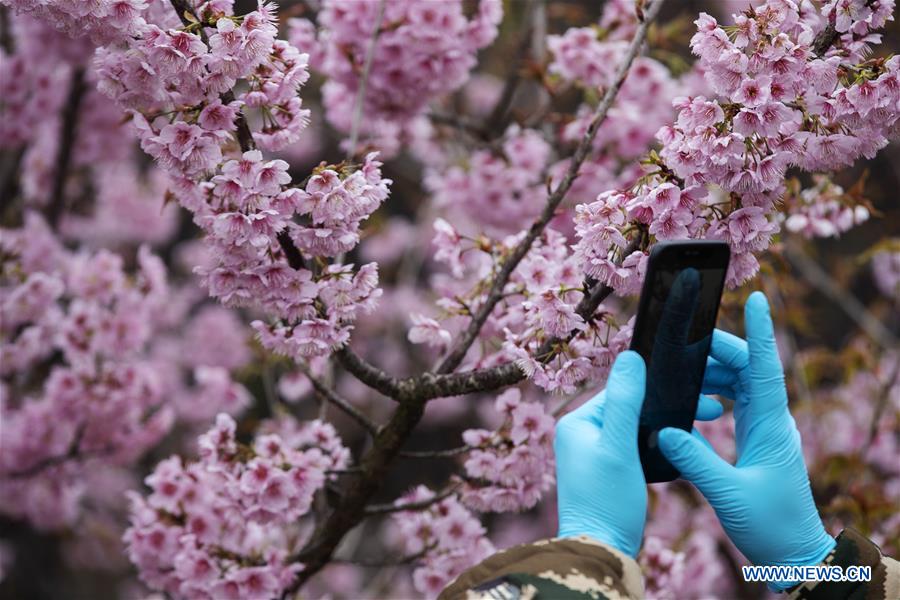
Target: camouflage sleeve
{"points": [[853, 548], [561, 568]]}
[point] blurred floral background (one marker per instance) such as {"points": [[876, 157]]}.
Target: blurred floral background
{"points": [[471, 153]]}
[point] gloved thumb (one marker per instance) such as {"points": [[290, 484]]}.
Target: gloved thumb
{"points": [[697, 462], [624, 397]]}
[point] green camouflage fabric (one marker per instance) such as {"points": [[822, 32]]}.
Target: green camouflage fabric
{"points": [[853, 548], [561, 568], [581, 568]]}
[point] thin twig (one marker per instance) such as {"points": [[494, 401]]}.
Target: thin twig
{"points": [[496, 120], [347, 471], [68, 126], [458, 352], [880, 406], [449, 453], [331, 396], [819, 279], [363, 80], [392, 507]]}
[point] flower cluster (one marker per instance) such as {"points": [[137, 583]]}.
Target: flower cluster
{"points": [[846, 431], [823, 210], [102, 21], [428, 331], [510, 468], [87, 322], [260, 228], [552, 287], [662, 568], [778, 105], [539, 304], [422, 50], [501, 192], [579, 55], [219, 527], [29, 79], [681, 553], [446, 536], [315, 311]]}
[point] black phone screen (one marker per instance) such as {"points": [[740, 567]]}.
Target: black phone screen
{"points": [[677, 315]]}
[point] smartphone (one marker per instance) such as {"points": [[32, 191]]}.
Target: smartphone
{"points": [[673, 331]]}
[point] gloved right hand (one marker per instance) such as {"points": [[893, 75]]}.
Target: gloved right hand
{"points": [[764, 501]]}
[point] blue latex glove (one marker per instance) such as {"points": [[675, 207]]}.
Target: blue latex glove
{"points": [[601, 490], [764, 501]]}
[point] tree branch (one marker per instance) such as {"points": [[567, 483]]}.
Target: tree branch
{"points": [[68, 126], [449, 453], [392, 507], [825, 39], [291, 252], [369, 374], [458, 352], [344, 405], [351, 509], [387, 443], [430, 385], [496, 120], [853, 308], [880, 405], [363, 81]]}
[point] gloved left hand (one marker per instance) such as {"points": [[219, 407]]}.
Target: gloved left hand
{"points": [[601, 490]]}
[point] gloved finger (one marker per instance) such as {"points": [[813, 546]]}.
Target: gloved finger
{"points": [[624, 397], [591, 411], [719, 378], [766, 371], [695, 459], [708, 409], [730, 351], [678, 312], [701, 438]]}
